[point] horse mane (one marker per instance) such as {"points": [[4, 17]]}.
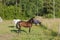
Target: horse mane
{"points": [[31, 19]]}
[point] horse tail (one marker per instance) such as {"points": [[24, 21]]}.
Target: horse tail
{"points": [[18, 25]]}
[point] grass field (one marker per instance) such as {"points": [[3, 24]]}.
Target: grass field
{"points": [[8, 31]]}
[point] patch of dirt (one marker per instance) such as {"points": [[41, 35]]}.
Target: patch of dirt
{"points": [[6, 36]]}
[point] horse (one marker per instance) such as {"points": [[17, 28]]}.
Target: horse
{"points": [[26, 24], [36, 22]]}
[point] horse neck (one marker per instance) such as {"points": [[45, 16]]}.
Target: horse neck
{"points": [[30, 21]]}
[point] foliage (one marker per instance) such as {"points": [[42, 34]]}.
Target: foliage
{"points": [[23, 9]]}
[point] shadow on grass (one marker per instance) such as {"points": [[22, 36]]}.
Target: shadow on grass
{"points": [[17, 30], [43, 26], [11, 26], [52, 32], [14, 31]]}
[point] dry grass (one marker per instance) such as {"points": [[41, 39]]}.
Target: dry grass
{"points": [[37, 32], [51, 23]]}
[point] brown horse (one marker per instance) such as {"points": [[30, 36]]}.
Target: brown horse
{"points": [[27, 24]]}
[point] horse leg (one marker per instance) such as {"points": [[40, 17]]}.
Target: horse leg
{"points": [[18, 30], [36, 24], [40, 23], [18, 27], [29, 29]]}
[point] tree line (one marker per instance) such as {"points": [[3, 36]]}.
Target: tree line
{"points": [[23, 9]]}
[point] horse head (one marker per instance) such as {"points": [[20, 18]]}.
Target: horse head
{"points": [[31, 20]]}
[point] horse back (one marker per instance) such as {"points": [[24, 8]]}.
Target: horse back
{"points": [[25, 24]]}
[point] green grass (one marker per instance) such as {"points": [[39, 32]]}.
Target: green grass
{"points": [[37, 32]]}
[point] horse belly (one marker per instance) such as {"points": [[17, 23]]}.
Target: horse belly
{"points": [[25, 25]]}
